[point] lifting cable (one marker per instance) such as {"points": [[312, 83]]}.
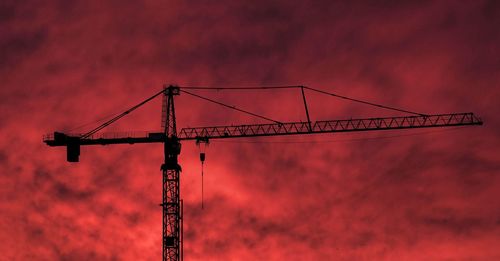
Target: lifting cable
{"points": [[202, 158]]}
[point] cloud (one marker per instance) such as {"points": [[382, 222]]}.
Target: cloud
{"points": [[357, 196]]}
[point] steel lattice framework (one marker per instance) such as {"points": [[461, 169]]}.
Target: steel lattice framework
{"points": [[389, 123], [171, 201], [172, 235], [275, 129]]}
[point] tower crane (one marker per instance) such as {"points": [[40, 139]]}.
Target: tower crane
{"points": [[172, 236]]}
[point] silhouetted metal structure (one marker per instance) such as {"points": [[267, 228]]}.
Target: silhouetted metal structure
{"points": [[172, 235]]}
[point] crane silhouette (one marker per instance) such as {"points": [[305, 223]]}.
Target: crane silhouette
{"points": [[172, 204]]}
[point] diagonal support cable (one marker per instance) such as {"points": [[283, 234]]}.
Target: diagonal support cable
{"points": [[364, 102], [302, 88], [119, 116], [230, 107], [114, 119]]}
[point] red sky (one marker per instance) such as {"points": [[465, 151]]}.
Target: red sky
{"points": [[426, 196]]}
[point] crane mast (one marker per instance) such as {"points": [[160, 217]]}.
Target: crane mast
{"points": [[172, 205], [171, 202]]}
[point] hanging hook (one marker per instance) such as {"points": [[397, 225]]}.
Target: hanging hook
{"points": [[202, 143]]}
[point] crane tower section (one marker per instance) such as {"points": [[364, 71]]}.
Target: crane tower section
{"points": [[171, 202]]}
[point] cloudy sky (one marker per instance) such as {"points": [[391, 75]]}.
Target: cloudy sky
{"points": [[401, 195]]}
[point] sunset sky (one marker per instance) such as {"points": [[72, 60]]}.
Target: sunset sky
{"points": [[431, 194]]}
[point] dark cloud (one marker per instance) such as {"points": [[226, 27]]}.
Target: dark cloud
{"points": [[18, 46], [7, 11], [3, 157], [458, 226]]}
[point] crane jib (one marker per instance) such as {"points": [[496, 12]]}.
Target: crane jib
{"points": [[73, 141]]}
